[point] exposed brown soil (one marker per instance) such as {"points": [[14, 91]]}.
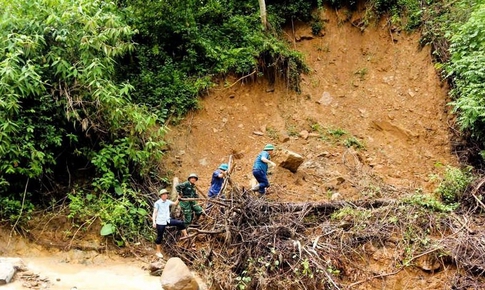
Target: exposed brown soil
{"points": [[376, 85]]}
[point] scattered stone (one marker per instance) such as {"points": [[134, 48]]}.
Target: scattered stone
{"points": [[363, 113], [156, 268], [258, 133], [232, 96], [411, 93], [336, 196], [313, 135], [284, 138], [203, 161], [324, 154], [304, 134], [291, 161], [388, 79], [326, 99], [177, 276]]}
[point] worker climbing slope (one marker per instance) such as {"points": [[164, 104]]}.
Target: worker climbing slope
{"points": [[260, 169]]}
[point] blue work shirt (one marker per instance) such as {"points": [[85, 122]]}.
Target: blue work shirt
{"points": [[216, 183], [259, 164]]}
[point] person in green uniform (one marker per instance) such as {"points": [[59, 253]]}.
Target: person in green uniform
{"points": [[187, 190]]}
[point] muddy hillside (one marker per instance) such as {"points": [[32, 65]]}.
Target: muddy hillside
{"points": [[371, 115]]}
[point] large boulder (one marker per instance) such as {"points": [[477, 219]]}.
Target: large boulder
{"points": [[177, 276], [8, 267], [291, 160]]}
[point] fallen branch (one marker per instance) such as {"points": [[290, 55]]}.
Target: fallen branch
{"points": [[198, 232]]}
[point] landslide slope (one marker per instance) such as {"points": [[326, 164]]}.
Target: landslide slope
{"points": [[372, 105]]}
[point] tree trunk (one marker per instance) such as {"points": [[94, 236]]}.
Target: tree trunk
{"points": [[262, 8]]}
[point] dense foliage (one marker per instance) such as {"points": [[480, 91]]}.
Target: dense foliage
{"points": [[467, 66], [182, 46], [60, 109]]}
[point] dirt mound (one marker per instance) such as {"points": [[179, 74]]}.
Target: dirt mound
{"points": [[371, 115]]}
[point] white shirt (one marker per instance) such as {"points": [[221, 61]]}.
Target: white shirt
{"points": [[163, 211]]}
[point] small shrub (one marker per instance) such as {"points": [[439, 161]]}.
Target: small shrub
{"points": [[353, 142], [361, 73], [337, 132], [317, 26], [429, 202], [272, 133], [453, 184]]}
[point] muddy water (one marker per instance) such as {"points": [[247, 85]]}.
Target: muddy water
{"points": [[59, 272], [84, 270]]}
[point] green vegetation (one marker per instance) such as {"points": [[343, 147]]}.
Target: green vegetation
{"points": [[428, 202], [179, 53], [60, 108], [453, 184], [467, 66]]}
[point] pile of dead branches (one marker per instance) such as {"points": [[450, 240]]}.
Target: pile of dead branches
{"points": [[249, 242]]}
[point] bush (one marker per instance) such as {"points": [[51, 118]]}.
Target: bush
{"points": [[453, 184], [467, 67], [60, 108]]}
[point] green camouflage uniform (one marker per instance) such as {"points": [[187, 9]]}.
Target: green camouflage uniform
{"points": [[187, 190]]}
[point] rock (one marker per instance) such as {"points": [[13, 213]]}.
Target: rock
{"points": [[6, 273], [336, 196], [203, 162], [326, 99], [291, 161], [304, 134], [8, 267], [284, 138], [258, 133], [411, 93], [177, 276], [156, 268]]}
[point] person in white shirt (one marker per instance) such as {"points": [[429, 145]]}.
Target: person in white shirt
{"points": [[161, 219]]}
